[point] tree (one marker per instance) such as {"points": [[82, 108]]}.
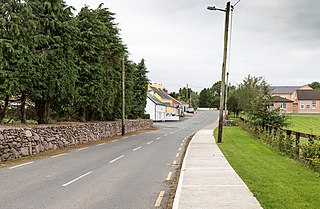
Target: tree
{"points": [[315, 85], [17, 69], [254, 98], [54, 82]]}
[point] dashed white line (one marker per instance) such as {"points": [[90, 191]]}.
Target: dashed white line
{"points": [[76, 179], [126, 137], [136, 149], [159, 199], [179, 148], [150, 142], [58, 155], [181, 144], [17, 166], [169, 176], [114, 160], [114, 140], [82, 148], [174, 163], [101, 144], [183, 141], [159, 138], [165, 135], [177, 155]]}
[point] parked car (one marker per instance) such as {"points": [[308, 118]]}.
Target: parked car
{"points": [[190, 110]]}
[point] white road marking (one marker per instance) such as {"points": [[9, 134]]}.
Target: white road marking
{"points": [[159, 199], [114, 140], [179, 148], [126, 137], [181, 144], [159, 138], [183, 141], [177, 155], [58, 155], [169, 176], [150, 142], [17, 166], [76, 179], [136, 149], [82, 148], [114, 160], [174, 163], [165, 135], [101, 144]]}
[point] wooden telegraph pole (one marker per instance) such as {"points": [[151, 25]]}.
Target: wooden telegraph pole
{"points": [[223, 75], [123, 99]]}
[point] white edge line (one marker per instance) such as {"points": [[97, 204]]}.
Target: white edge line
{"points": [[125, 137], [181, 177], [177, 155], [101, 144], [54, 156], [136, 149], [17, 166], [114, 160], [179, 148], [150, 142], [76, 179], [82, 148]]}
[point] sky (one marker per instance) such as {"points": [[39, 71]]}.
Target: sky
{"points": [[182, 41]]}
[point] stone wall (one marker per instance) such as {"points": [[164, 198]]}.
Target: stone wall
{"points": [[16, 142]]}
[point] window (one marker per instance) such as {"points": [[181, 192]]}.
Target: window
{"points": [[294, 106], [314, 104], [283, 106], [301, 104], [307, 104]]}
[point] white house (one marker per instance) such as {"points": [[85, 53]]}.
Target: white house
{"points": [[155, 108]]}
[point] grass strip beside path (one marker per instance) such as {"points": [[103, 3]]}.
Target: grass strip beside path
{"points": [[276, 181]]}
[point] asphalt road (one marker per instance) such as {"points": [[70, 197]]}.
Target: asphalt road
{"points": [[129, 173]]}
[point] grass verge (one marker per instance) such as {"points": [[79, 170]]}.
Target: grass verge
{"points": [[276, 181]]}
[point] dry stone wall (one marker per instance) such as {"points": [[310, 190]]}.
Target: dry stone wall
{"points": [[16, 142]]}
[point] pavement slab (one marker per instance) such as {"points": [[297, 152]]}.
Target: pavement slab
{"points": [[207, 180]]}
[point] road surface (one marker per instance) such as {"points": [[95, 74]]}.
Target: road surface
{"points": [[129, 173]]}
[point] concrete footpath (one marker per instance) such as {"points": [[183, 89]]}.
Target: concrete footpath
{"points": [[207, 181]]}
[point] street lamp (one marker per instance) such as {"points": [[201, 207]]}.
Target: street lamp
{"points": [[223, 74]]}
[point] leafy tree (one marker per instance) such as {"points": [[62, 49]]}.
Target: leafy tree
{"points": [[254, 98], [315, 85]]}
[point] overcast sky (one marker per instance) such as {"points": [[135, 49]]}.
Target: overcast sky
{"points": [[182, 42]]}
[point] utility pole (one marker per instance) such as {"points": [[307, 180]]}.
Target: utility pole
{"points": [[226, 97], [223, 74], [123, 99], [187, 94]]}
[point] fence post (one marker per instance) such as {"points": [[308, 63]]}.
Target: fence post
{"points": [[298, 144]]}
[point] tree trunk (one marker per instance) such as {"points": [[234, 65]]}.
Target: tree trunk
{"points": [[42, 110], [3, 111], [89, 114], [23, 108]]}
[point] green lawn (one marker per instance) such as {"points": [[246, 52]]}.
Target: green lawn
{"points": [[277, 181], [307, 124]]}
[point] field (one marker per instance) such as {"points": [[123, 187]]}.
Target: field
{"points": [[277, 182], [305, 124]]}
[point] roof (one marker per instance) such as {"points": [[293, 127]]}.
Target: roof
{"points": [[283, 89], [161, 93], [155, 100], [308, 94], [183, 102], [280, 99]]}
